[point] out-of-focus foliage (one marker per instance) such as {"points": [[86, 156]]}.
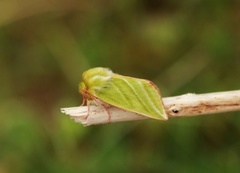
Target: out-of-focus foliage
{"points": [[183, 46]]}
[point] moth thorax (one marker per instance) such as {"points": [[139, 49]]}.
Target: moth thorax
{"points": [[95, 79], [99, 82]]}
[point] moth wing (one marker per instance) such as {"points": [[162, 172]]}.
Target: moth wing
{"points": [[135, 95]]}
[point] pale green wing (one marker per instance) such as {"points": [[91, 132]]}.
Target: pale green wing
{"points": [[135, 95]]}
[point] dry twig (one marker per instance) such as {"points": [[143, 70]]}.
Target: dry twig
{"points": [[178, 106]]}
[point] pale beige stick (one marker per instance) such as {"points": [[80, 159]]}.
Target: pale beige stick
{"points": [[178, 106]]}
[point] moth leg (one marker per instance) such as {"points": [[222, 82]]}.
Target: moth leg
{"points": [[83, 101], [109, 116], [88, 110]]}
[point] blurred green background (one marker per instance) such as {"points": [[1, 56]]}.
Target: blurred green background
{"points": [[183, 46]]}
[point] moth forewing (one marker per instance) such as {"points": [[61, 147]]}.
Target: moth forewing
{"points": [[135, 95]]}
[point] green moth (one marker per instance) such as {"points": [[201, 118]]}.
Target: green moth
{"points": [[132, 94]]}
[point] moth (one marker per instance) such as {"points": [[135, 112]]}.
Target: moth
{"points": [[132, 94]]}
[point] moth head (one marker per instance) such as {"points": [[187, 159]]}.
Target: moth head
{"points": [[94, 80], [82, 88]]}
